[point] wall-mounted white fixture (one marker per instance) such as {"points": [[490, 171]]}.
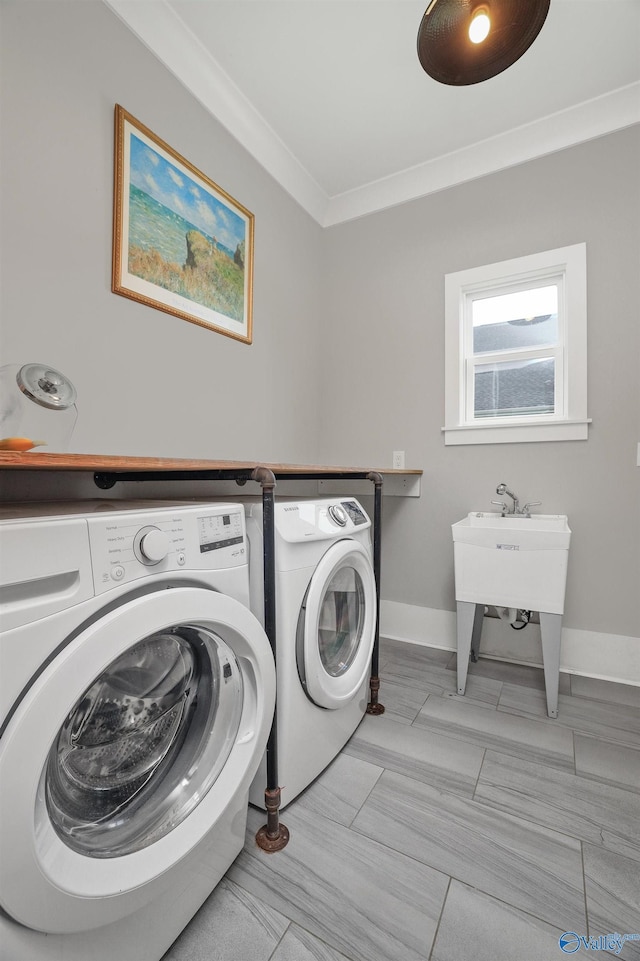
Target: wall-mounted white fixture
{"points": [[517, 562]]}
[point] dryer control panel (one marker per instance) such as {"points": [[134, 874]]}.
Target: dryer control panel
{"points": [[355, 512], [128, 545], [319, 519]]}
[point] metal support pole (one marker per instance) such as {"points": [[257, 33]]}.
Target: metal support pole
{"points": [[373, 707], [105, 480], [273, 835]]}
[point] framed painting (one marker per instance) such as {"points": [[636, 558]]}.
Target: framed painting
{"points": [[181, 244]]}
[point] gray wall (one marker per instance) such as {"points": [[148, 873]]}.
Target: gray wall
{"points": [[148, 383], [347, 360], [384, 278]]}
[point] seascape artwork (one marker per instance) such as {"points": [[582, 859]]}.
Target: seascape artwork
{"points": [[181, 244], [181, 237]]}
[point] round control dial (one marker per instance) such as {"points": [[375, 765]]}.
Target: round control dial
{"points": [[338, 515], [151, 545]]}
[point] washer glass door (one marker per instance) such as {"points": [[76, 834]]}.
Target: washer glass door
{"points": [[336, 626], [144, 742]]}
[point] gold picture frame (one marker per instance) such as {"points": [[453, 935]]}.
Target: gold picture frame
{"points": [[181, 243]]}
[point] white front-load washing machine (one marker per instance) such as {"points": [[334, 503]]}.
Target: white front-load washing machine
{"points": [[325, 597], [137, 692]]}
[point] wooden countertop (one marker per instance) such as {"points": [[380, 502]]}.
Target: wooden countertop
{"points": [[107, 463]]}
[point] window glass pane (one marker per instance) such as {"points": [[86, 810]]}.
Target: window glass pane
{"points": [[513, 389], [526, 318]]}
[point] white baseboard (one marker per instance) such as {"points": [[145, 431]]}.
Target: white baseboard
{"points": [[609, 657]]}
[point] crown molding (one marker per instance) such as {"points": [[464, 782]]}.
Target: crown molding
{"points": [[157, 25], [160, 29], [586, 121]]}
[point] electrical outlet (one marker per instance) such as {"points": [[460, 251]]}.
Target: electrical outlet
{"points": [[398, 460]]}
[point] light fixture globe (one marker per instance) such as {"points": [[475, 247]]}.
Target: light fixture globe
{"points": [[448, 55]]}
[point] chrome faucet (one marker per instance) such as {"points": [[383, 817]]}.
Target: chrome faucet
{"points": [[502, 489], [525, 511]]}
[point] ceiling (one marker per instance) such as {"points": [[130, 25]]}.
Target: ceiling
{"points": [[329, 95]]}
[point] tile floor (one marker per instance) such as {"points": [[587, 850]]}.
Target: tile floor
{"points": [[450, 829]]}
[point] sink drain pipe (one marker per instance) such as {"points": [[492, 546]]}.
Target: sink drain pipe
{"points": [[511, 614], [525, 617], [508, 614]]}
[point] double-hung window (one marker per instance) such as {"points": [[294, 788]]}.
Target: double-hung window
{"points": [[516, 350]]}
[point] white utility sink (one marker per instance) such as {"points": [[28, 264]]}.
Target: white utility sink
{"points": [[513, 561]]}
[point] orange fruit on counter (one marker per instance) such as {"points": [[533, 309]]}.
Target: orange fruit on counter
{"points": [[20, 443]]}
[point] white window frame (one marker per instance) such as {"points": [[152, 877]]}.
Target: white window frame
{"points": [[566, 267]]}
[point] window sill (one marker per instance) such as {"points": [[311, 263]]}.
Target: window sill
{"points": [[517, 433]]}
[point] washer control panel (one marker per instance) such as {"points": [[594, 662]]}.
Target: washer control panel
{"points": [[217, 531], [128, 545]]}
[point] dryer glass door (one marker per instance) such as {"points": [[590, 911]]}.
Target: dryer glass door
{"points": [[336, 627], [341, 621]]}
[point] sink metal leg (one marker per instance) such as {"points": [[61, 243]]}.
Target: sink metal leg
{"points": [[468, 629], [478, 621], [551, 632]]}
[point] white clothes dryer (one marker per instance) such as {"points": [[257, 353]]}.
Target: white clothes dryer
{"points": [[325, 630], [137, 693]]}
